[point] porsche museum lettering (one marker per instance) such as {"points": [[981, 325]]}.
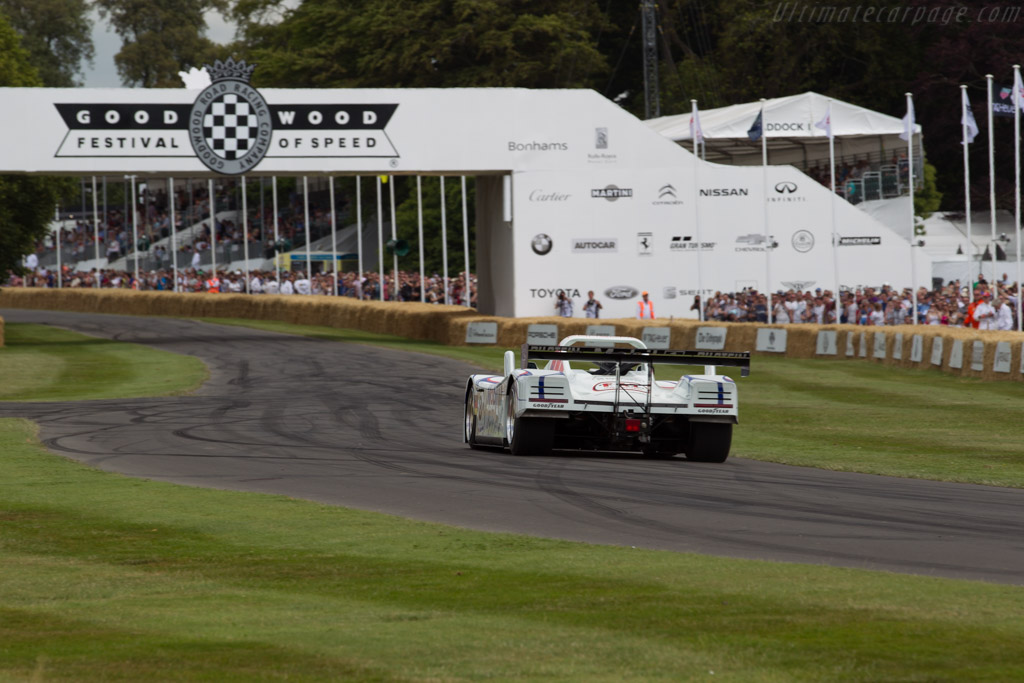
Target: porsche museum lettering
{"points": [[229, 127]]}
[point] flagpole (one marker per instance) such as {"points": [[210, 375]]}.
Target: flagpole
{"points": [[359, 232], [394, 234], [764, 200], [1016, 178], [419, 223], [466, 290], [174, 232], [835, 235], [96, 229], [910, 186], [991, 174], [309, 253], [380, 241], [277, 238], [695, 133], [213, 226], [334, 234], [444, 241], [967, 191], [245, 233]]}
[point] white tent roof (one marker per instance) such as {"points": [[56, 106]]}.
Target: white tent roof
{"points": [[791, 135]]}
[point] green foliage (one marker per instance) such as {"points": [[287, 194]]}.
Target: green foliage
{"points": [[56, 34], [928, 198], [26, 202], [425, 43], [408, 226], [160, 38]]}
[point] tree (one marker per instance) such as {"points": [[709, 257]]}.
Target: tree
{"points": [[160, 38], [424, 43], [56, 34], [26, 202]]}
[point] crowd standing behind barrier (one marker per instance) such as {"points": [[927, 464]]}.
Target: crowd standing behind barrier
{"points": [[950, 305], [350, 284]]}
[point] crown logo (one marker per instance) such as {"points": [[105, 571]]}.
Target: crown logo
{"points": [[230, 69]]}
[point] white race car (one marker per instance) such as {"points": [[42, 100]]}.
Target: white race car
{"points": [[616, 406]]}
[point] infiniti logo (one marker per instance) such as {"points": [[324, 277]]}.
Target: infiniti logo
{"points": [[785, 187]]}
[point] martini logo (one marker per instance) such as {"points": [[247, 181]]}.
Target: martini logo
{"points": [[611, 192], [229, 127], [230, 123]]}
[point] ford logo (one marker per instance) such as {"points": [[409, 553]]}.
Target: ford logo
{"points": [[621, 292]]}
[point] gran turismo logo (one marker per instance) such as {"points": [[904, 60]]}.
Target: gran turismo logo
{"points": [[785, 187]]}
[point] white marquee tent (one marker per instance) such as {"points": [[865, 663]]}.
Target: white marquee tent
{"points": [[790, 131]]}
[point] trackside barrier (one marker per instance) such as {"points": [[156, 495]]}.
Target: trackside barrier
{"points": [[997, 354], [1, 331]]}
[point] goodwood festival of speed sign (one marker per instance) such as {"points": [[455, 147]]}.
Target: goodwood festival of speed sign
{"points": [[230, 123], [229, 127]]}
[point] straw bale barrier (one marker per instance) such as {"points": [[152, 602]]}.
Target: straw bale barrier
{"points": [[952, 350]]}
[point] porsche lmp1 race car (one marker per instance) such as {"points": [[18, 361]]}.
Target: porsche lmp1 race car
{"points": [[617, 405]]}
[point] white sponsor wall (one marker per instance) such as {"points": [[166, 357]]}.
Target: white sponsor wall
{"points": [[599, 200]]}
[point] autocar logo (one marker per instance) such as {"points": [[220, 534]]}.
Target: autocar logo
{"points": [[666, 191], [621, 292], [541, 244], [803, 241], [785, 187]]}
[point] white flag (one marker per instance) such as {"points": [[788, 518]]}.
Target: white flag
{"points": [[1018, 89], [968, 118], [826, 123], [696, 132], [908, 122]]}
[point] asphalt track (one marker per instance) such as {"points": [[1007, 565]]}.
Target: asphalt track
{"points": [[381, 430]]}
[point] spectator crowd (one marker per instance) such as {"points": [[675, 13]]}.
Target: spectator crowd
{"points": [[993, 305]]}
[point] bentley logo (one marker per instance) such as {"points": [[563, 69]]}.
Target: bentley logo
{"points": [[799, 285], [230, 123]]}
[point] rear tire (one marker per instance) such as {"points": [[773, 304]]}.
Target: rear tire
{"points": [[470, 426], [528, 436], [709, 442]]}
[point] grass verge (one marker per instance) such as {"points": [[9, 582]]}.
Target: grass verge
{"points": [[43, 363], [847, 415], [109, 578]]}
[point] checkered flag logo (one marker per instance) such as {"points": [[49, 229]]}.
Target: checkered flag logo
{"points": [[230, 127], [230, 124]]}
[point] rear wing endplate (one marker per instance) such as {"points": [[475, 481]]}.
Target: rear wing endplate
{"points": [[739, 359]]}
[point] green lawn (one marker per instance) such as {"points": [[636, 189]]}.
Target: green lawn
{"points": [[42, 363], [108, 578], [103, 577], [848, 415]]}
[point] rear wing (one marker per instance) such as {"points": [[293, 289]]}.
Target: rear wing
{"points": [[739, 359]]}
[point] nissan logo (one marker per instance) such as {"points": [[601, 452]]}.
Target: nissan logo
{"points": [[785, 187], [621, 292]]}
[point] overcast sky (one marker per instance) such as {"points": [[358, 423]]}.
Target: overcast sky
{"points": [[103, 73]]}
